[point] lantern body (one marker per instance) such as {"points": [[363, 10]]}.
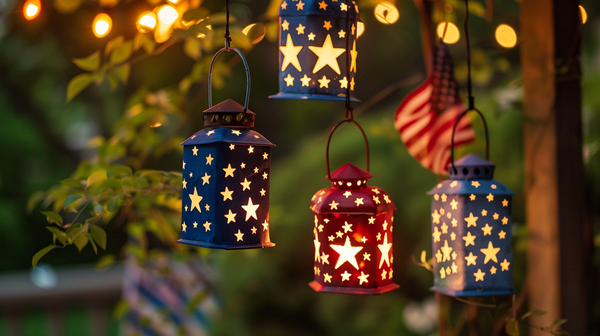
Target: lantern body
{"points": [[312, 49], [226, 174], [353, 239], [471, 231]]}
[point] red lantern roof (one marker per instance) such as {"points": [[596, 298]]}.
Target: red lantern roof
{"points": [[349, 176]]}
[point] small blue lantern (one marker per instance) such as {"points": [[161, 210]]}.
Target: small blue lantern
{"points": [[314, 37], [471, 230], [226, 174]]}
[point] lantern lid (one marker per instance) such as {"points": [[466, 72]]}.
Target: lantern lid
{"points": [[228, 113], [228, 135], [312, 7], [471, 167], [349, 176]]}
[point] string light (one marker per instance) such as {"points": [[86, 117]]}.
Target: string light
{"points": [[146, 22], [451, 34], [167, 14], [386, 13], [102, 25], [583, 14], [31, 9], [506, 36], [360, 28]]}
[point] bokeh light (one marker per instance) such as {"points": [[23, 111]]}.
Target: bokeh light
{"points": [[386, 13], [360, 28], [102, 25], [583, 14], [451, 34], [31, 9], [146, 22], [167, 14], [506, 36]]}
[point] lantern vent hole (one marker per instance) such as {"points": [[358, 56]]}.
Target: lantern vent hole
{"points": [[487, 171], [477, 171], [239, 117], [228, 118], [465, 171]]}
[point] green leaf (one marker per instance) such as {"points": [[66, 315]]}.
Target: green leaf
{"points": [[71, 182], [77, 84], [34, 200], [53, 218], [533, 312], [121, 308], [58, 235], [80, 242], [90, 63], [113, 44], [91, 239], [69, 200], [99, 235], [558, 322], [96, 177], [121, 53], [144, 41], [40, 254], [476, 8], [512, 327], [192, 48], [113, 81], [122, 72], [105, 261], [194, 15], [99, 209]]}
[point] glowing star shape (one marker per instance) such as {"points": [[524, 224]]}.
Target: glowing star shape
{"points": [[232, 147], [359, 201], [347, 253], [385, 251], [442, 273], [339, 234], [183, 227], [384, 275], [475, 184], [210, 132], [300, 5], [265, 156], [290, 54], [195, 151], [184, 183], [263, 192], [449, 215], [347, 193], [206, 226], [372, 220], [504, 221], [505, 203], [311, 37], [284, 5], [265, 175], [325, 258], [385, 224], [454, 268], [227, 194], [363, 277], [471, 220], [363, 239], [289, 80], [472, 197], [490, 197], [327, 55], [347, 227], [285, 25], [454, 255], [505, 265], [342, 34], [195, 225], [343, 7], [250, 209], [436, 234], [327, 25], [493, 270], [487, 230], [436, 217], [454, 222], [378, 236], [230, 217], [333, 205], [229, 171], [438, 256], [444, 228], [331, 238], [242, 165], [345, 276], [317, 247], [352, 89], [391, 275], [444, 197], [305, 80], [239, 235], [250, 149], [324, 82], [454, 204], [322, 5], [300, 29], [490, 253], [343, 83], [366, 256], [326, 277], [195, 198], [353, 55], [502, 234], [207, 207], [471, 259], [479, 275], [265, 225], [469, 239], [245, 184], [183, 164], [205, 178], [453, 236], [446, 251], [236, 132], [255, 170]]}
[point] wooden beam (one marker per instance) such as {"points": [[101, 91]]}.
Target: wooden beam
{"points": [[558, 245]]}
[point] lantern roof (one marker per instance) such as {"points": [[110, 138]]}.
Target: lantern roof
{"points": [[470, 186], [349, 172], [318, 7], [228, 113], [471, 167], [228, 135]]}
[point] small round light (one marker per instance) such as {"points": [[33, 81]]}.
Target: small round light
{"points": [[349, 184], [386, 13], [506, 36], [358, 183], [31, 9], [451, 34], [102, 25], [146, 22], [583, 14], [167, 14], [360, 28]]}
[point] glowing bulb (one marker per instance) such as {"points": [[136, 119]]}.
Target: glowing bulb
{"points": [[583, 14], [360, 28], [167, 14], [146, 22], [102, 25], [452, 35], [386, 13], [506, 36], [174, 2], [31, 9]]}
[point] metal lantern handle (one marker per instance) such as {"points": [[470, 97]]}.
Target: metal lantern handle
{"points": [[245, 67], [487, 139], [329, 140]]}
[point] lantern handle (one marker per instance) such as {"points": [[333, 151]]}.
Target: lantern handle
{"points": [[245, 68], [329, 140], [487, 138]]}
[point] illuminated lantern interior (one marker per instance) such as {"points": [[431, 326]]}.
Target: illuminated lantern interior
{"points": [[102, 25], [31, 9]]}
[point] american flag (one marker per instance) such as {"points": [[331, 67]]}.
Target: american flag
{"points": [[426, 116]]}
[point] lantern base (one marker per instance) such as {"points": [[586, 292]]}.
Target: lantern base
{"points": [[224, 247], [451, 292], [352, 290], [309, 96]]}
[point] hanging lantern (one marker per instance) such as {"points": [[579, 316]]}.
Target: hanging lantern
{"points": [[353, 226], [314, 36], [471, 229], [226, 174]]}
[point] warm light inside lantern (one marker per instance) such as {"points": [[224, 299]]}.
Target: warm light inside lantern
{"points": [[146, 22], [167, 14], [102, 25], [31, 9], [174, 2], [506, 36], [583, 14], [360, 28], [448, 32], [386, 13]]}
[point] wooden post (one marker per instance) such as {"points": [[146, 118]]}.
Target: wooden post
{"points": [[558, 255]]}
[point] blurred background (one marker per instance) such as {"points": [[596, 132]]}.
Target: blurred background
{"points": [[45, 139]]}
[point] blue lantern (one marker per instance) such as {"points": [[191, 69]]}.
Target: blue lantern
{"points": [[314, 37], [226, 174], [471, 230]]}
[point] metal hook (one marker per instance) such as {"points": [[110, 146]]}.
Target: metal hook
{"points": [[329, 140], [245, 67], [487, 139]]}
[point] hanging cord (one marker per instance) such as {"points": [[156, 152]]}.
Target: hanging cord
{"points": [[349, 109], [227, 35], [469, 85]]}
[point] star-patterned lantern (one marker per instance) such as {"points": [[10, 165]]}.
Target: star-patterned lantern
{"points": [[314, 37], [471, 230], [226, 174]]}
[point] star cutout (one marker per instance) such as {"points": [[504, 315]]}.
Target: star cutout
{"points": [[385, 251], [184, 182], [490, 197], [305, 80], [471, 259], [446, 251], [195, 150], [359, 201], [436, 217], [285, 25], [183, 164], [343, 83], [436, 234], [236, 132], [391, 274], [265, 175], [191, 174], [383, 275], [245, 184], [385, 224], [263, 192], [300, 29], [454, 222], [438, 256], [475, 184], [347, 227], [290, 54], [325, 258], [454, 255], [265, 225], [339, 234], [347, 193], [227, 194], [352, 89], [231, 146], [195, 225], [183, 227], [504, 221], [471, 220], [333, 205], [487, 230], [469, 239], [505, 203], [320, 227], [250, 209], [186, 208], [255, 170], [347, 253], [239, 235], [442, 273], [444, 228], [327, 24], [289, 80], [242, 165], [331, 238], [326, 277], [206, 226], [205, 178], [454, 268], [210, 132], [479, 275], [363, 277], [343, 7], [229, 171], [363, 239], [375, 190], [444, 197], [284, 5], [195, 198], [300, 5], [322, 5], [345, 276], [472, 197], [324, 82], [342, 34], [230, 217], [502, 234], [317, 247], [454, 204], [311, 37], [372, 220], [378, 236], [505, 265], [327, 55], [453, 236], [366, 256], [496, 216], [493, 270], [490, 253]]}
